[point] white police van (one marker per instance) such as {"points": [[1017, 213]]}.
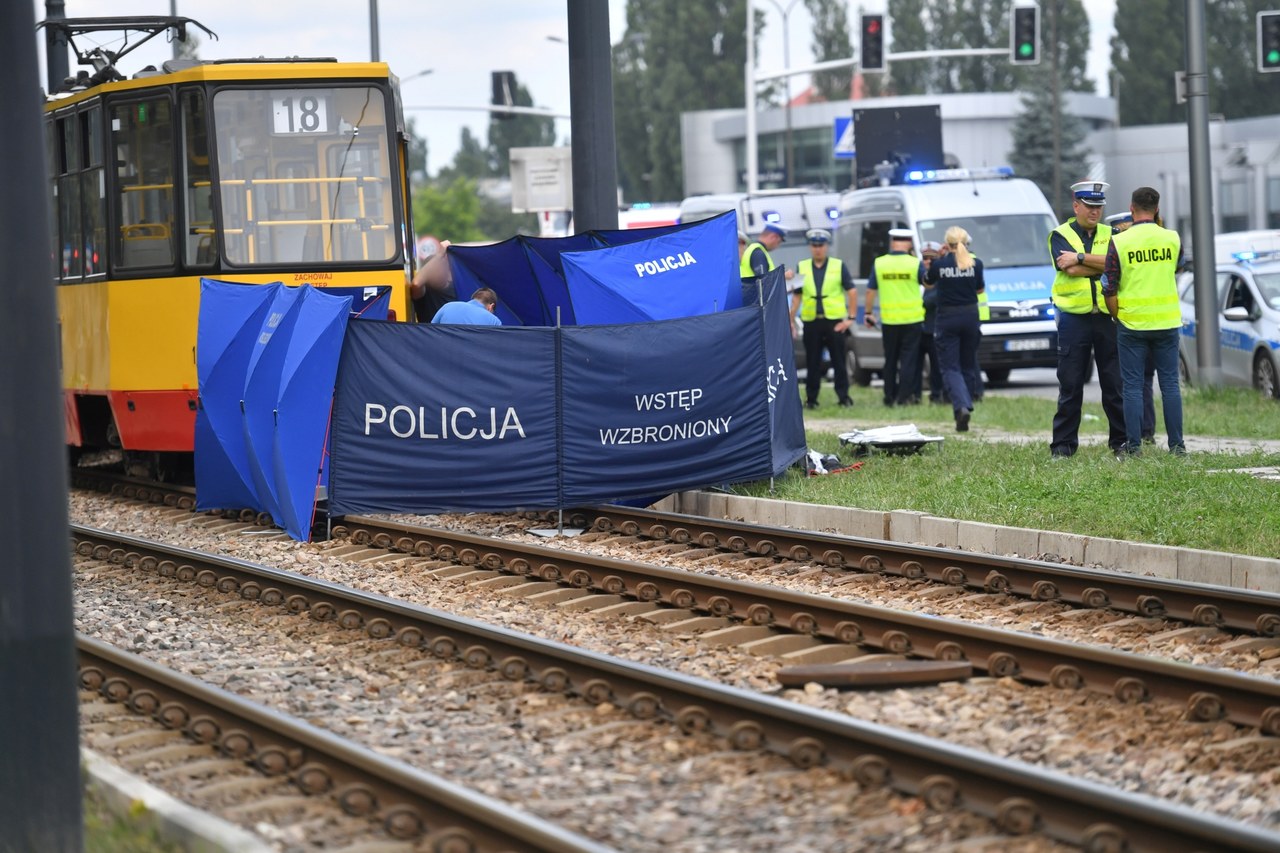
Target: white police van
{"points": [[796, 210], [1008, 220]]}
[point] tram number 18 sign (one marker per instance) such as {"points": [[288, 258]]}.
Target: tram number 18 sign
{"points": [[299, 112]]}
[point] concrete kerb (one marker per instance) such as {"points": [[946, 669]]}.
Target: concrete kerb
{"points": [[917, 528], [193, 830]]}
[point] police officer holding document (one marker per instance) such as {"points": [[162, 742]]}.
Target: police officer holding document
{"points": [[756, 260], [1078, 249], [1142, 296], [897, 277], [828, 302]]}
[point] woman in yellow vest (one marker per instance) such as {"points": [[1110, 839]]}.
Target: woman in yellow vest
{"points": [[1142, 295], [957, 278], [897, 277]]}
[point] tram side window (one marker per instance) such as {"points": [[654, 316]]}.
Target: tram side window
{"points": [[142, 136], [70, 226], [93, 192], [199, 249]]}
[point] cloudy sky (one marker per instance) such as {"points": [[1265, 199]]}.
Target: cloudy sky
{"points": [[460, 40]]}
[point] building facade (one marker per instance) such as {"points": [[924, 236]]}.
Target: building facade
{"points": [[977, 130]]}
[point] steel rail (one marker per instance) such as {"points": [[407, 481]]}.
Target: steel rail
{"points": [[1018, 797], [1195, 603], [1208, 694], [410, 802]]}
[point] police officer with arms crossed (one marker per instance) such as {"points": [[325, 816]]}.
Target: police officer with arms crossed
{"points": [[1078, 248], [1142, 296], [828, 302], [897, 277]]}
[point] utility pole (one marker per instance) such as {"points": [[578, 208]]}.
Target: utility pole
{"points": [[595, 163], [39, 740], [1208, 337]]}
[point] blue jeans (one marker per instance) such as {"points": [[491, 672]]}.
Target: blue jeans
{"points": [[1162, 345]]}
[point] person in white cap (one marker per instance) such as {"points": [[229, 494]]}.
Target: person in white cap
{"points": [[897, 277], [1078, 249], [827, 301]]}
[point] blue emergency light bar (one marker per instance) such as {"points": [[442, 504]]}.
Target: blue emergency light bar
{"points": [[928, 176], [772, 216], [1256, 255], [833, 213]]}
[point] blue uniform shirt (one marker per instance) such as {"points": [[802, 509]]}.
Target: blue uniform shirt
{"points": [[472, 313]]}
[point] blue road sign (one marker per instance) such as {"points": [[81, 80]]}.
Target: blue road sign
{"points": [[843, 138]]}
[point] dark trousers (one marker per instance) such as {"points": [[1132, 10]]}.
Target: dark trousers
{"points": [[901, 360], [821, 334], [956, 333], [935, 372], [1082, 337]]}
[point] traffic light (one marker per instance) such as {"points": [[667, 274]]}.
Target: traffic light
{"points": [[1024, 36], [1269, 41], [871, 50], [504, 93]]}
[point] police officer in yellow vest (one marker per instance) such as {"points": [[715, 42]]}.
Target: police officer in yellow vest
{"points": [[828, 302], [897, 277], [756, 260], [1141, 294], [1078, 248]]}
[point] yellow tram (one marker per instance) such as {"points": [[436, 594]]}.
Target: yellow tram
{"points": [[254, 171]]}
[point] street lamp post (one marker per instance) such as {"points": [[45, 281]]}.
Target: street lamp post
{"points": [[415, 75], [786, 64]]}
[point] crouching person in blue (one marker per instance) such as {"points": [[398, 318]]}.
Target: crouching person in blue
{"points": [[1142, 296], [477, 312]]}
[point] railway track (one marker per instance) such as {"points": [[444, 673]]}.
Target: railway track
{"points": [[254, 744], [853, 629], [1016, 797]]}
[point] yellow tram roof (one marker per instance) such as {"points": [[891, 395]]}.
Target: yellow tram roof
{"points": [[260, 69]]}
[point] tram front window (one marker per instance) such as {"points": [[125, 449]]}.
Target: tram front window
{"points": [[304, 176]]}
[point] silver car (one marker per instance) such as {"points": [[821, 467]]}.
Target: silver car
{"points": [[1248, 291]]}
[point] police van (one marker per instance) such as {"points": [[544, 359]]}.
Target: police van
{"points": [[1008, 220], [796, 210]]}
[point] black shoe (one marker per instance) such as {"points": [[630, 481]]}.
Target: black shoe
{"points": [[1148, 438], [1057, 453], [888, 404], [811, 404], [1178, 450], [962, 420], [937, 401], [845, 403]]}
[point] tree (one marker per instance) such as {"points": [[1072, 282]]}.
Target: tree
{"points": [[1150, 46], [967, 24], [1034, 132], [519, 131], [673, 58], [417, 154], [472, 160], [831, 41], [448, 210]]}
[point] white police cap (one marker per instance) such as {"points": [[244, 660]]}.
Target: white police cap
{"points": [[901, 234], [1119, 218], [1092, 193], [818, 235]]}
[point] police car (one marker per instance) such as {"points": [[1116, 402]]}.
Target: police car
{"points": [[1248, 310]]}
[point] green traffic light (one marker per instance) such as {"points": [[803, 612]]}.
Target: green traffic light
{"points": [[1273, 57], [1025, 49]]}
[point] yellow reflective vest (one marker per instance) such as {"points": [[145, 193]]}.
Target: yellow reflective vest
{"points": [[745, 265], [1079, 294], [834, 301], [1148, 293], [898, 280]]}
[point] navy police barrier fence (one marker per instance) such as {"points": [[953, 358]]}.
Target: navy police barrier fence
{"points": [[458, 418]]}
